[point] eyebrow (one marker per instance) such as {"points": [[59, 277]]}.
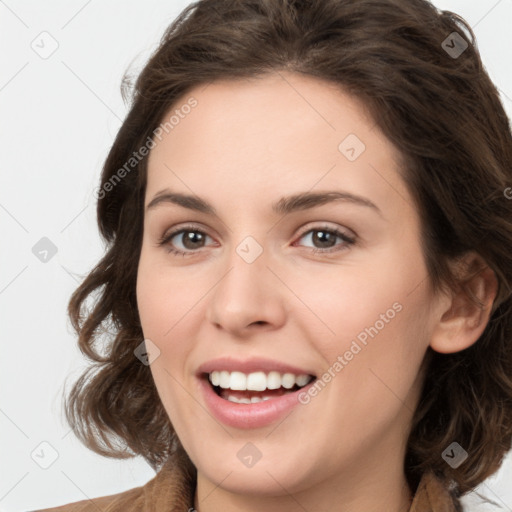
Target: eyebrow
{"points": [[285, 205]]}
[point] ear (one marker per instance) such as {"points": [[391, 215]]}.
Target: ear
{"points": [[461, 320]]}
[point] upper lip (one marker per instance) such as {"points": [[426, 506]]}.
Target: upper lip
{"points": [[257, 364]]}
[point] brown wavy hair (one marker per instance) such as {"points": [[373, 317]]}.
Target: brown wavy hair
{"points": [[441, 110]]}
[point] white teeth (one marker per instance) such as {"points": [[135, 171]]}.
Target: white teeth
{"points": [[253, 400], [238, 381], [274, 380], [215, 378], [257, 381], [288, 380], [223, 379], [302, 380]]}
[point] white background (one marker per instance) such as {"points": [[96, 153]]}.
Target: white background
{"points": [[59, 117]]}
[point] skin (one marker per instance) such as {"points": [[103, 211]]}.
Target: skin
{"points": [[245, 145]]}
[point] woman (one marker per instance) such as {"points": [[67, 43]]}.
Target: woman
{"points": [[306, 295]]}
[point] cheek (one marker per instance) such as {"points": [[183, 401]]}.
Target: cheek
{"points": [[164, 294], [165, 308], [373, 317], [169, 304]]}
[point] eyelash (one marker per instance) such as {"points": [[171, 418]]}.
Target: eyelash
{"points": [[166, 238]]}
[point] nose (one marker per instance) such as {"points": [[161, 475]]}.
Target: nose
{"points": [[247, 297]]}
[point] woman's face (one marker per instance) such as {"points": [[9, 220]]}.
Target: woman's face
{"points": [[266, 285]]}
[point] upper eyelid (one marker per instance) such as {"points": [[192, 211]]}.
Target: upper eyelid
{"points": [[312, 226]]}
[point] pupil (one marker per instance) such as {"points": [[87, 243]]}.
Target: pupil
{"points": [[189, 239], [323, 234]]}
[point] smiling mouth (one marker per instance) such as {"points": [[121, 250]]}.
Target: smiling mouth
{"points": [[257, 387]]}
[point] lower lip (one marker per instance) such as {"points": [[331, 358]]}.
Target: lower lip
{"points": [[248, 416]]}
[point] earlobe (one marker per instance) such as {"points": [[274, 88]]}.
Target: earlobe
{"points": [[464, 315]]}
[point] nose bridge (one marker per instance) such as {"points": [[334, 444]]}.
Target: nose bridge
{"points": [[244, 285], [247, 292]]}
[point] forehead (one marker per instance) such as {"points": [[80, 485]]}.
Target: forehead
{"points": [[281, 131]]}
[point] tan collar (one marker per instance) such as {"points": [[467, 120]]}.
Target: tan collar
{"points": [[172, 489], [431, 495]]}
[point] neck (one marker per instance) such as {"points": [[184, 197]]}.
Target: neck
{"points": [[367, 488]]}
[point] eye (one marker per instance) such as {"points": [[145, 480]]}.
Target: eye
{"points": [[192, 239], [326, 237]]}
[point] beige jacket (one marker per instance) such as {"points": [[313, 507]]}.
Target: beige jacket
{"points": [[172, 490]]}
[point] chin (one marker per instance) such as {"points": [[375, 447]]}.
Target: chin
{"points": [[264, 478]]}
